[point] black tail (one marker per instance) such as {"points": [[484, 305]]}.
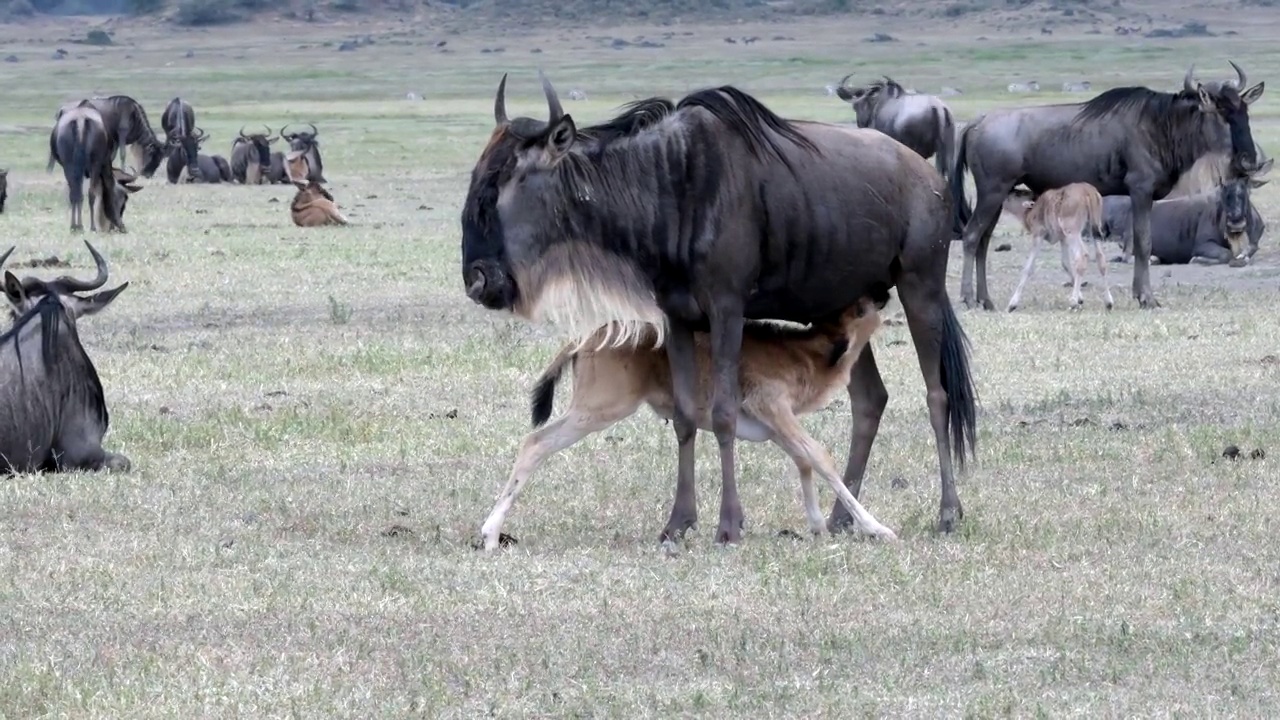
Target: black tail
{"points": [[79, 161], [957, 381], [963, 211], [544, 392]]}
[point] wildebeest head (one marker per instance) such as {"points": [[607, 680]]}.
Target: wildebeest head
{"points": [[188, 144], [868, 100], [261, 143], [125, 186], [1235, 207], [1224, 101], [25, 294], [301, 140]]}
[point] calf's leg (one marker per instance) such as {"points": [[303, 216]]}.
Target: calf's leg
{"points": [[1037, 242], [867, 400], [1107, 299], [1074, 246]]}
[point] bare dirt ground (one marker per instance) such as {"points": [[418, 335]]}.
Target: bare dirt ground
{"points": [[319, 419]]}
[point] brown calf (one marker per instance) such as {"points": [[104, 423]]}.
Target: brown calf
{"points": [[313, 206], [784, 374], [1062, 215], [124, 188]]}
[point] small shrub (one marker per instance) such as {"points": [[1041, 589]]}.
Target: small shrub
{"points": [[97, 37], [205, 12], [21, 8]]}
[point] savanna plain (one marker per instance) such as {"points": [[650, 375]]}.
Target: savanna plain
{"points": [[319, 420]]}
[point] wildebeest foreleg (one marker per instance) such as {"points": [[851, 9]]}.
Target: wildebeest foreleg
{"points": [[542, 443], [1207, 252], [867, 400], [1073, 251], [1038, 241], [977, 238], [684, 392], [790, 435], [726, 351], [86, 453], [1141, 203], [809, 497]]}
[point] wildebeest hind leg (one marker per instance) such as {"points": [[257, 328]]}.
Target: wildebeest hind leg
{"points": [[977, 240], [1107, 299], [726, 351], [538, 445], [809, 497], [867, 400], [684, 388]]}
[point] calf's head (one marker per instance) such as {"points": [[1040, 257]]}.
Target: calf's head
{"points": [[25, 294]]}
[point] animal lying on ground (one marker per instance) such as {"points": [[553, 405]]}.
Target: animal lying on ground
{"points": [[251, 156], [784, 374], [313, 206], [1063, 216], [52, 411], [124, 187], [1210, 228]]}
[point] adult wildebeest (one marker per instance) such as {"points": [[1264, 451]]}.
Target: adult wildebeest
{"points": [[691, 216], [80, 144], [307, 142], [184, 152], [4, 187], [127, 126], [1214, 227], [278, 171], [787, 373], [178, 119], [251, 156], [53, 414], [1062, 215], [1032, 86], [1127, 140], [923, 123]]}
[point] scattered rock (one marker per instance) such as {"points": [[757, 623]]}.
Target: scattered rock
{"points": [[51, 261], [351, 45], [1080, 422], [1231, 452], [190, 54], [442, 43], [880, 38], [1269, 360], [164, 410], [1258, 454], [536, 51], [397, 531], [273, 200], [1188, 30], [226, 542], [898, 483], [450, 415], [11, 59], [1002, 247], [788, 533], [1117, 426], [276, 393]]}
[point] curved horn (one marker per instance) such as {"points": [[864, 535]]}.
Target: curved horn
{"points": [[553, 103], [242, 132], [500, 103], [284, 134], [6, 254], [70, 284], [314, 131], [1239, 74], [1186, 80], [845, 79], [267, 128]]}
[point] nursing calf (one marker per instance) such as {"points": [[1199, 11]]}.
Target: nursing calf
{"points": [[1062, 215], [784, 374]]}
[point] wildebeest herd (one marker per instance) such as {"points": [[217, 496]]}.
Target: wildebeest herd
{"points": [[88, 134], [711, 259]]}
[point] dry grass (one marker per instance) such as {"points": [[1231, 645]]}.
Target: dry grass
{"points": [[319, 420]]}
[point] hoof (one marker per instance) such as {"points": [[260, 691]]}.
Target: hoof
{"points": [[730, 534], [674, 532], [988, 305], [949, 518], [118, 463]]}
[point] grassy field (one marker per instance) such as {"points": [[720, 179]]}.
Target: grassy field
{"points": [[319, 421]]}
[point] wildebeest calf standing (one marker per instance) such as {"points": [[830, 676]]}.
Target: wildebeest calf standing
{"points": [[1062, 215], [693, 216], [53, 414], [785, 374], [1127, 140], [1218, 226]]}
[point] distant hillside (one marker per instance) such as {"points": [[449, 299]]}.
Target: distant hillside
{"points": [[526, 12]]}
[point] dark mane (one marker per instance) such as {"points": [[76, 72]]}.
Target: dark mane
{"points": [[1127, 101], [635, 117], [53, 319], [747, 117]]}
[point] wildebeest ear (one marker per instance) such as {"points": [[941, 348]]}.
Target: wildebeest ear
{"points": [[561, 137], [81, 306], [1253, 93], [1255, 183], [1206, 100], [131, 188], [13, 288]]}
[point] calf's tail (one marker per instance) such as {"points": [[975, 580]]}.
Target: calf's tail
{"points": [[962, 210], [957, 381], [544, 392]]}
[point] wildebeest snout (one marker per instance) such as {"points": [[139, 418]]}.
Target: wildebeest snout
{"points": [[490, 285]]}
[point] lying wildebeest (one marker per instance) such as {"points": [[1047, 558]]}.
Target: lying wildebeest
{"points": [[277, 172], [1063, 215], [4, 187], [1130, 140], [251, 156], [127, 127], [80, 144], [51, 400], [307, 142], [124, 187], [200, 168], [1083, 86], [923, 123], [1214, 227], [313, 206], [1032, 86], [787, 373], [184, 154], [700, 215]]}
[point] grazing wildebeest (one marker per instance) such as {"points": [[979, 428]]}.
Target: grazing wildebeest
{"points": [[923, 123], [251, 156], [1211, 228], [313, 206], [124, 187], [4, 187], [127, 126], [1130, 140], [178, 119], [787, 373], [53, 414], [696, 215], [306, 142], [1063, 215], [184, 152], [80, 144]]}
